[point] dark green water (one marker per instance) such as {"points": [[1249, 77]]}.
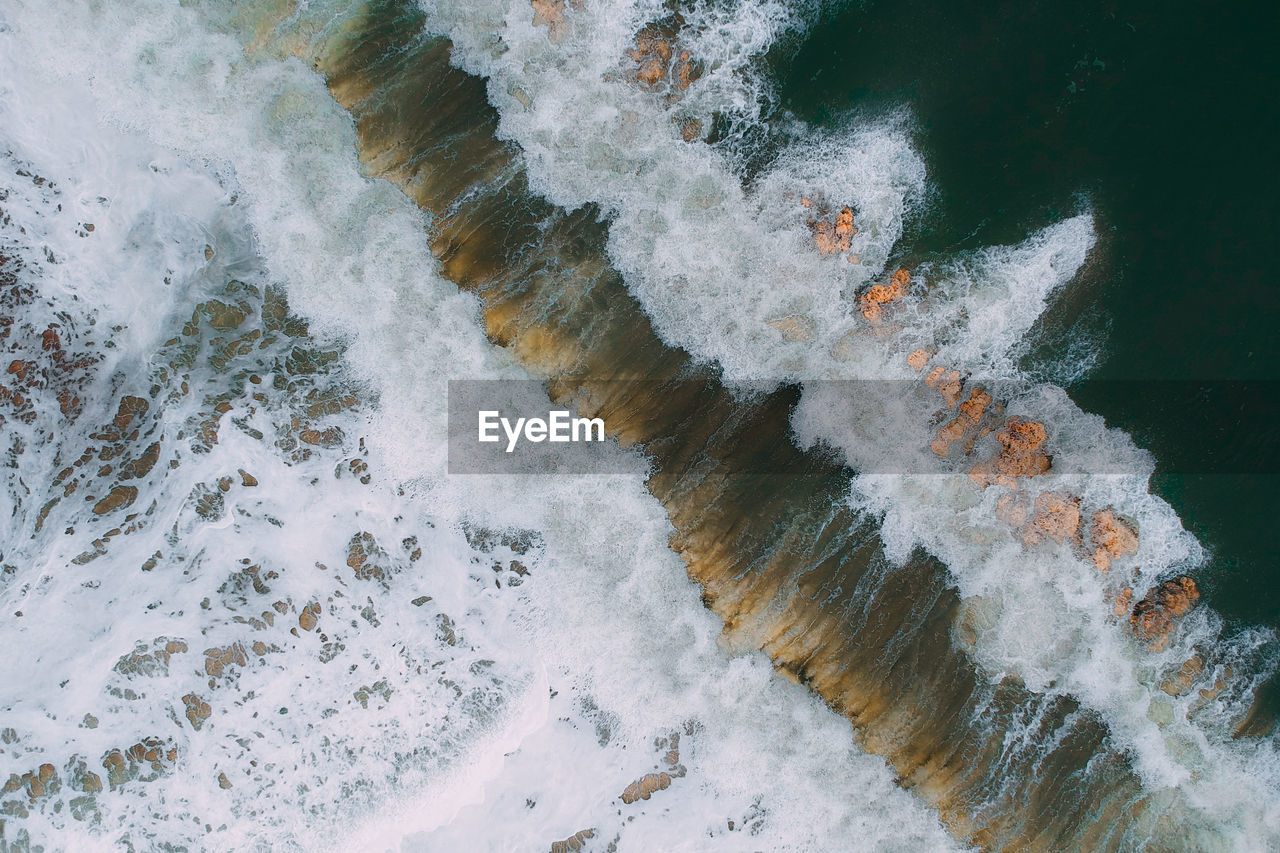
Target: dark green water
{"points": [[1162, 119]]}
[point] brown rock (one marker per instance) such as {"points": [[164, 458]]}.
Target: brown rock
{"points": [[366, 557], [691, 130], [794, 327], [947, 433], [652, 57], [218, 659], [550, 14], [309, 616], [873, 301], [1156, 616], [197, 710], [1057, 516], [130, 407], [1111, 537], [645, 786], [835, 236], [1012, 509], [918, 359], [947, 382], [574, 842], [975, 405], [1123, 600], [1020, 455], [120, 497], [1180, 684], [685, 72], [223, 781]]}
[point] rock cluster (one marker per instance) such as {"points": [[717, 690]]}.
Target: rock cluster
{"points": [[1021, 455], [1056, 516], [832, 236], [1154, 618], [658, 64], [877, 296], [550, 14], [1111, 537]]}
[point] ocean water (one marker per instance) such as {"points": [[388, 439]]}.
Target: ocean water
{"points": [[244, 248]]}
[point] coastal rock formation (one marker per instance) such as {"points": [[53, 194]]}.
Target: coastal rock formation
{"points": [[574, 842], [832, 236], [873, 301], [1020, 456], [918, 359], [977, 403], [1154, 618], [657, 60], [949, 432], [644, 787], [947, 382], [1056, 516], [1111, 537], [550, 14], [794, 327]]}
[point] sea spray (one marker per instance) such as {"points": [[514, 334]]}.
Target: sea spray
{"points": [[313, 633], [726, 270]]}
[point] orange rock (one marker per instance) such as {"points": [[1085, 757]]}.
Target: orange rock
{"points": [[218, 659], [309, 616], [947, 433], [918, 359], [652, 56], [120, 496], [1123, 600], [1111, 537], [947, 382], [832, 237], [844, 223], [686, 72], [1154, 617], [1056, 516], [197, 710], [574, 842], [1020, 456], [975, 405], [1180, 684], [879, 295], [550, 14], [645, 786]]}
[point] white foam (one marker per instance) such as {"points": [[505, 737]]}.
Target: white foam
{"points": [[553, 690], [727, 270]]}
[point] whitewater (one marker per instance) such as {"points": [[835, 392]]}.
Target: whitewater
{"points": [[245, 606]]}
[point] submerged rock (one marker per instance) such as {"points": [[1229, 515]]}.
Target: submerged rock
{"points": [[947, 383], [550, 14], [1155, 617], [1057, 516], [918, 359], [873, 301], [1111, 537], [1020, 455], [832, 236], [794, 327]]}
